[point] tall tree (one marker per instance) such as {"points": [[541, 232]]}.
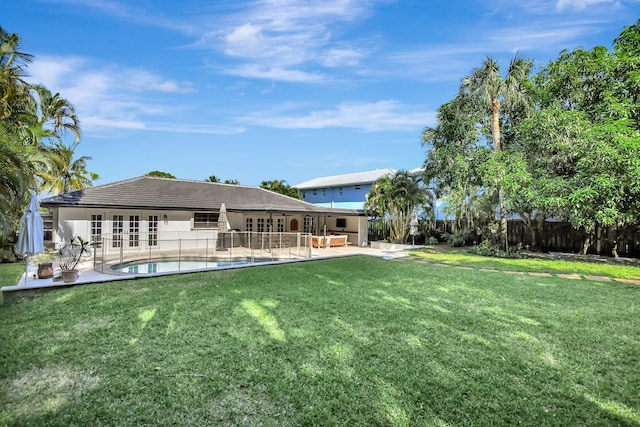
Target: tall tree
{"points": [[499, 95], [455, 152], [626, 49]]}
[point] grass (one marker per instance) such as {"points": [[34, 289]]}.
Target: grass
{"points": [[353, 341], [10, 273], [461, 257]]}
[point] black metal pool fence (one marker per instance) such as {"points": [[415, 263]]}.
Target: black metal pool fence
{"points": [[114, 249]]}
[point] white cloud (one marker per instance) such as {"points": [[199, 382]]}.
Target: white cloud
{"points": [[584, 4], [288, 35], [107, 97], [276, 73], [378, 116]]}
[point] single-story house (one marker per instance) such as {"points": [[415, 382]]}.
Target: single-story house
{"points": [[138, 212]]}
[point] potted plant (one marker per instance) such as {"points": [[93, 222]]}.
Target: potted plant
{"points": [[44, 260], [69, 256]]}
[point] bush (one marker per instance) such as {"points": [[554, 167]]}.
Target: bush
{"points": [[432, 240], [488, 248], [457, 238]]}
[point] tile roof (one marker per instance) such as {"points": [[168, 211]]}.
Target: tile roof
{"points": [[147, 192], [366, 177]]}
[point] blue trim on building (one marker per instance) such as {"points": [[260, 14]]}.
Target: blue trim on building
{"points": [[351, 196]]}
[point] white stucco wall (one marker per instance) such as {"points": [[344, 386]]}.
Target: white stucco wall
{"points": [[176, 228]]}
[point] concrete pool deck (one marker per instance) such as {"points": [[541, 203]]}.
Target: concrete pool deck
{"points": [[88, 275]]}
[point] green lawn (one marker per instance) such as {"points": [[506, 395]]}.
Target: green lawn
{"points": [[10, 273], [461, 257], [355, 341]]}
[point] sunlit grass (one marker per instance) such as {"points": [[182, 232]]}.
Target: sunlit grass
{"points": [[461, 257], [357, 341], [10, 273]]}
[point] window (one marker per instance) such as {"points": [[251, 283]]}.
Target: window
{"points": [[96, 228], [260, 225], [304, 194], [315, 192], [134, 231], [205, 219], [324, 192], [357, 187], [341, 222], [249, 224], [117, 228], [341, 191], [47, 218], [280, 225], [153, 230], [308, 225]]}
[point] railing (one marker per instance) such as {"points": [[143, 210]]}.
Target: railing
{"points": [[210, 245]]}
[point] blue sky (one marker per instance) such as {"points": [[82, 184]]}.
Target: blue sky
{"points": [[280, 89]]}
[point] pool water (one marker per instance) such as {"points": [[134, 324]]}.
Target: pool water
{"points": [[166, 266]]}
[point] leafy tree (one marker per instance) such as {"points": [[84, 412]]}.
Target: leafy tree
{"points": [[281, 187], [456, 150], [212, 178], [232, 181], [160, 174], [582, 144], [626, 49]]}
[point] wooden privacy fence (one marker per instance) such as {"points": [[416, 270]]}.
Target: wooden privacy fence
{"points": [[554, 236], [562, 237]]}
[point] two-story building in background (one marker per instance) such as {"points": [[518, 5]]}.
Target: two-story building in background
{"points": [[347, 191]]}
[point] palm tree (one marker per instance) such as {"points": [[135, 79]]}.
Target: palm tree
{"points": [[66, 174], [487, 85], [12, 63], [212, 178], [395, 197], [16, 178], [52, 116]]}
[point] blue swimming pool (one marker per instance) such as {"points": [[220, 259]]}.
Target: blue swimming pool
{"points": [[169, 265]]}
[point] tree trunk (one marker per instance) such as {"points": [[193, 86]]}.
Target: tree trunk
{"points": [[586, 243], [503, 218], [614, 237], [495, 125], [497, 147], [540, 226]]}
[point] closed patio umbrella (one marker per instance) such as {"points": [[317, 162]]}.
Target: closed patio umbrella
{"points": [[223, 225], [31, 232], [223, 222], [413, 225]]}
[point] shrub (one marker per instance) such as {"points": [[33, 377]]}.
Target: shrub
{"points": [[432, 240], [489, 248], [457, 238]]}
